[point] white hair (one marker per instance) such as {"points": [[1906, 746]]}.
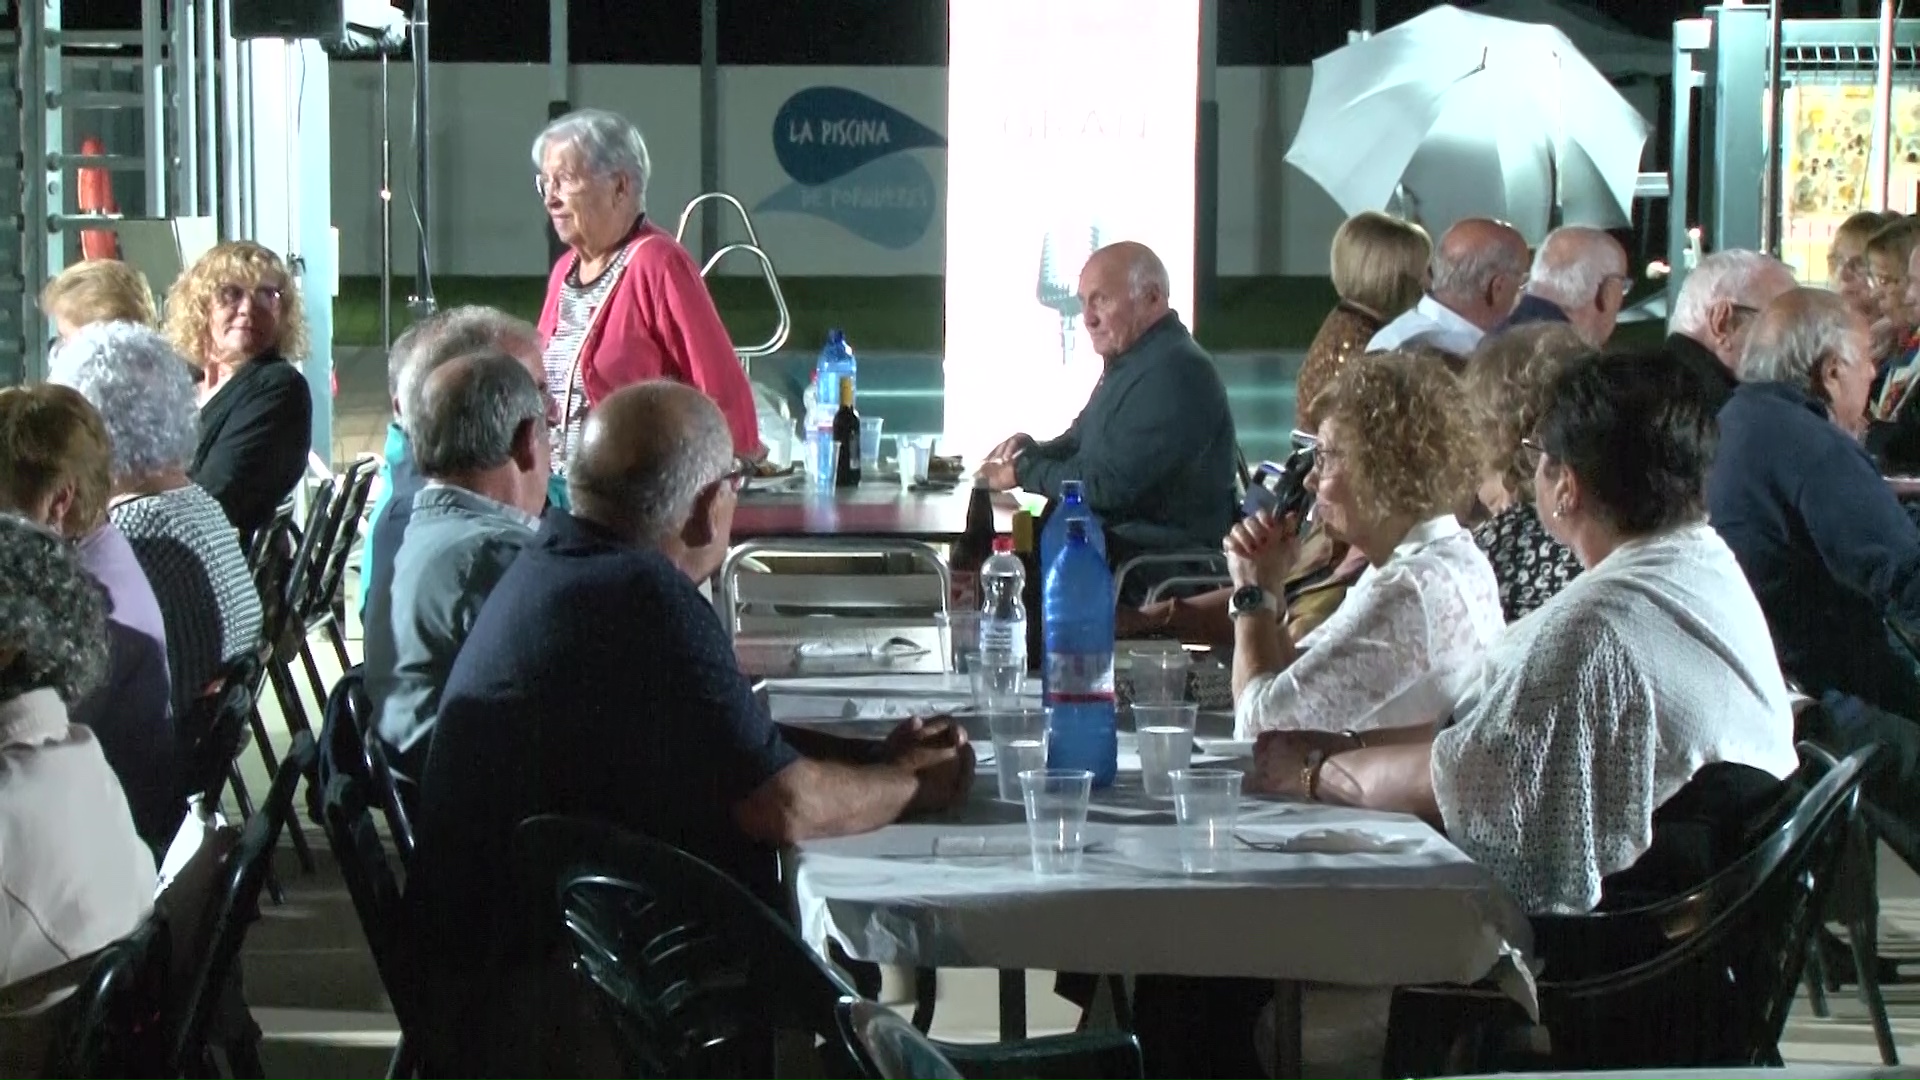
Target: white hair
{"points": [[143, 390], [1789, 346], [1724, 275], [1145, 271], [1471, 273], [609, 143], [1572, 263], [447, 335]]}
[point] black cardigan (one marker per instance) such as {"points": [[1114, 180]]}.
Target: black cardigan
{"points": [[254, 436]]}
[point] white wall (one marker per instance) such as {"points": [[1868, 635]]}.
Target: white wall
{"points": [[487, 220]]}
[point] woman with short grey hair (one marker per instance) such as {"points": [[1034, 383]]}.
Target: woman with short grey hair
{"points": [[180, 535], [76, 876], [626, 303]]}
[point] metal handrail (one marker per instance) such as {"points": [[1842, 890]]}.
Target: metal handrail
{"points": [[1207, 560], [680, 233], [724, 597], [1161, 589], [783, 326]]}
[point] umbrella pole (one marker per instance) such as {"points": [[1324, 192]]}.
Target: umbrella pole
{"points": [[1772, 178], [1880, 145]]}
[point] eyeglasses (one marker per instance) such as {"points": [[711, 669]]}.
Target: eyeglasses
{"points": [[232, 296], [1855, 266], [1890, 281], [736, 477], [565, 183], [1533, 450]]}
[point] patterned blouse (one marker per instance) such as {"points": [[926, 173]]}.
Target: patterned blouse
{"points": [[1529, 563], [206, 591], [578, 305]]}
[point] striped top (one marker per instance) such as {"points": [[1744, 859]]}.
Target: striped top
{"points": [[578, 304], [207, 596]]}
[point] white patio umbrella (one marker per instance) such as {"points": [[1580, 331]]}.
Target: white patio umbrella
{"points": [[1454, 115]]}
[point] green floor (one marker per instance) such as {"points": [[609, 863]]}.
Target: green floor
{"points": [[885, 314]]}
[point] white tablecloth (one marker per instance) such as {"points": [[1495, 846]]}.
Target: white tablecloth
{"points": [[961, 893]]}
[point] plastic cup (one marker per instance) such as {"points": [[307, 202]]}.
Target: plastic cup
{"points": [[1165, 736], [1159, 675], [870, 441], [1019, 746], [996, 684], [823, 462], [916, 456], [1056, 801], [1206, 804]]}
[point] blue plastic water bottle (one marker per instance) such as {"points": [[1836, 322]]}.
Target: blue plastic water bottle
{"points": [[1078, 607], [835, 363], [1073, 507]]}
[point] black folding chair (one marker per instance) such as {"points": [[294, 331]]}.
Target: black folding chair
{"points": [[117, 1020]]}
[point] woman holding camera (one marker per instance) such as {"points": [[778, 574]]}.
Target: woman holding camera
{"points": [[1393, 463]]}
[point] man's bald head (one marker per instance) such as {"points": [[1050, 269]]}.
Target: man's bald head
{"points": [[1478, 269], [1123, 291], [648, 452], [1583, 271]]}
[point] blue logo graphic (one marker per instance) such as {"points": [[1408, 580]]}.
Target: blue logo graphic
{"points": [[848, 157]]}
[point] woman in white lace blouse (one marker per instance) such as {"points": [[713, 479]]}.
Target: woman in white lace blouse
{"points": [[1565, 749], [1396, 458]]}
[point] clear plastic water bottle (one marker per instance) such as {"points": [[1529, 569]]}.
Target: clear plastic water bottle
{"points": [[1003, 608], [1072, 507], [1077, 606], [836, 362]]}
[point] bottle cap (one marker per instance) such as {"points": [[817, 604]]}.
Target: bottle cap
{"points": [[1003, 545]]}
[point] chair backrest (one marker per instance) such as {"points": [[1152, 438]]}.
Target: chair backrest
{"points": [[894, 1048], [244, 873], [284, 566], [343, 531], [1737, 944], [751, 602], [393, 802], [691, 966], [212, 732], [349, 744], [346, 814], [258, 545], [116, 1023]]}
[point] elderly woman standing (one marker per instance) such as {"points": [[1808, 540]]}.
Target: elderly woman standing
{"points": [[1614, 745], [56, 470], [1380, 266], [76, 876], [1395, 459], [97, 290], [235, 316], [626, 303], [182, 538], [1507, 383]]}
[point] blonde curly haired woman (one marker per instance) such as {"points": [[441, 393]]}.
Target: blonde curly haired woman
{"points": [[235, 316], [1395, 460], [98, 290]]}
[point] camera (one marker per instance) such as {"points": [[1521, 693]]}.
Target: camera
{"points": [[1281, 489]]}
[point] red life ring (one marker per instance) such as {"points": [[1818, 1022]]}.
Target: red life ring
{"points": [[96, 197]]}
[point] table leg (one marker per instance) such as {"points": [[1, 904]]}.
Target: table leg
{"points": [[1013, 1005], [1286, 1030], [926, 990]]}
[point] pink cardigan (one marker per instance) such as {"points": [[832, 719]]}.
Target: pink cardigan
{"points": [[660, 323]]}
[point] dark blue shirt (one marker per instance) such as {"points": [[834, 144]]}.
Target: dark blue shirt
{"points": [[1827, 548], [597, 682], [1532, 309]]}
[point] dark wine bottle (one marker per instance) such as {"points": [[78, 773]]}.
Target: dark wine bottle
{"points": [[846, 438]]}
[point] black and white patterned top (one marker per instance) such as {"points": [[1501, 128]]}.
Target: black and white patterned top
{"points": [[1529, 563], [578, 305], [208, 600]]}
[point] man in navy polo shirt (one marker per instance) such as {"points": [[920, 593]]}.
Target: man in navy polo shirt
{"points": [[598, 682]]}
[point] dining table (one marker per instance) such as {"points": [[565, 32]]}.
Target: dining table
{"points": [[1314, 894]]}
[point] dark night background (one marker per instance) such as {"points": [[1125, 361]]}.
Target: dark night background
{"points": [[1252, 32]]}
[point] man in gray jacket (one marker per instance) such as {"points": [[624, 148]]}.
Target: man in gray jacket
{"points": [[1154, 448]]}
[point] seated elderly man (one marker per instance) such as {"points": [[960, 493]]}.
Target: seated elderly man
{"points": [[1708, 329], [1154, 449], [55, 469], [597, 682], [76, 875], [1579, 277], [480, 439], [427, 343], [1828, 550], [1477, 272]]}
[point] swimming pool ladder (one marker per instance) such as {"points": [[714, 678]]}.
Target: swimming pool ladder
{"points": [[784, 323]]}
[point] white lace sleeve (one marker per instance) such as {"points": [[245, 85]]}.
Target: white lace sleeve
{"points": [[1547, 779], [1374, 647]]}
